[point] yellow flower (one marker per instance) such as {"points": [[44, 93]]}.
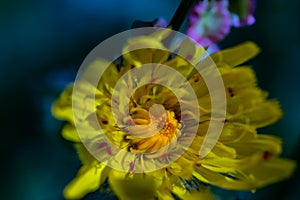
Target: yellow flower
{"points": [[240, 160]]}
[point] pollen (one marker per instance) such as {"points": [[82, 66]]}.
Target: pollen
{"points": [[169, 130]]}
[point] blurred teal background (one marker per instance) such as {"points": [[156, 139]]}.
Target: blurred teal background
{"points": [[42, 44]]}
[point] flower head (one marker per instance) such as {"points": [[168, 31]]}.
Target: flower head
{"points": [[152, 128], [209, 22]]}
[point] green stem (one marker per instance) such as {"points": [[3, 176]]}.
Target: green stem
{"points": [[181, 13]]}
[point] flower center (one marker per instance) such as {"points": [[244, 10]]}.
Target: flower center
{"points": [[165, 130]]}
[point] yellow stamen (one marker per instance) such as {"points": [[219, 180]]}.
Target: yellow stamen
{"points": [[168, 132]]}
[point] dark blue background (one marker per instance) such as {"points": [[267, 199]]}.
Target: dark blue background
{"points": [[42, 44]]}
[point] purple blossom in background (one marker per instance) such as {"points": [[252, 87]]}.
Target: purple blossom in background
{"points": [[209, 22]]}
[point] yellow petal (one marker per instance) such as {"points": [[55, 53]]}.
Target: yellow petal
{"points": [[236, 55], [219, 148], [91, 72], [62, 108], [272, 171], [105, 117], [83, 99], [221, 164], [180, 65], [70, 133], [165, 194], [133, 186], [141, 50], [200, 195], [164, 191], [260, 144], [240, 77], [176, 186], [240, 99], [161, 33], [222, 181], [183, 167], [198, 84], [253, 177], [236, 132], [190, 51], [85, 157], [108, 79], [258, 116], [88, 179]]}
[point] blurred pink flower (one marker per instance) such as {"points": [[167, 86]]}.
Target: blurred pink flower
{"points": [[209, 21]]}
